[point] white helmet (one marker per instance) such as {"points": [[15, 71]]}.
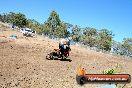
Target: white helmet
{"points": [[68, 39]]}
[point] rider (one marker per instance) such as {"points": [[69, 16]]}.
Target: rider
{"points": [[65, 41], [68, 43]]}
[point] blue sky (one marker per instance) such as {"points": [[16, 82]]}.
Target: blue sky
{"points": [[115, 15]]}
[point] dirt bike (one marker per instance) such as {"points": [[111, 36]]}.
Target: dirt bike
{"points": [[57, 54]]}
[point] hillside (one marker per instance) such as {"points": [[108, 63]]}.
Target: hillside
{"points": [[23, 63]]}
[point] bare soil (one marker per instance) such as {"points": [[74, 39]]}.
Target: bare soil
{"points": [[23, 63]]}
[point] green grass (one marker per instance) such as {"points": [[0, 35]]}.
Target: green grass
{"points": [[110, 72]]}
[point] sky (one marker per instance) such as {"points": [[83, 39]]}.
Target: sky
{"points": [[114, 15]]}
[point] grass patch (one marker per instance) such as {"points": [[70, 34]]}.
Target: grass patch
{"points": [[110, 72]]}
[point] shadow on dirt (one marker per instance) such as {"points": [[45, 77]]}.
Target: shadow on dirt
{"points": [[61, 59]]}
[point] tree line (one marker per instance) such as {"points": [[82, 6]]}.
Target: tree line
{"points": [[54, 27]]}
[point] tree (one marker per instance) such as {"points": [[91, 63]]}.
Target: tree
{"points": [[76, 33], [36, 26], [105, 39], [1, 17], [54, 27], [46, 29], [68, 29], [20, 20], [124, 48], [53, 22], [90, 31], [127, 46], [89, 36], [116, 46], [54, 19], [17, 19]]}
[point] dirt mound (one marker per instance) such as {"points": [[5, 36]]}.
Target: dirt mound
{"points": [[23, 64]]}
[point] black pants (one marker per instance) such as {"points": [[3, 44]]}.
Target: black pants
{"points": [[61, 47]]}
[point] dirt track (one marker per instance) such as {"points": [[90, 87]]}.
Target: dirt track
{"points": [[23, 64]]}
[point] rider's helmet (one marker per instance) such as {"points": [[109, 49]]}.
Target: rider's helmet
{"points": [[68, 40]]}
